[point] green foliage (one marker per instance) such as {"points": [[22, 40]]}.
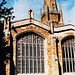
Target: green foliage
{"points": [[5, 12], [2, 40], [3, 50]]}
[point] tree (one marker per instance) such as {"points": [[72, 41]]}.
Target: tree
{"points": [[4, 11], [4, 51]]}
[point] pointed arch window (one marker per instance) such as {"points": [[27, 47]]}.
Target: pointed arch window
{"points": [[30, 54], [68, 55]]}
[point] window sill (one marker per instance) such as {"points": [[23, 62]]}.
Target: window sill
{"points": [[70, 73], [32, 74]]}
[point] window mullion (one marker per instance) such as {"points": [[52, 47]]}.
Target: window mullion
{"points": [[25, 57], [40, 58], [71, 44], [65, 56], [36, 54], [29, 52], [74, 56], [69, 65], [29, 56], [72, 64], [68, 47], [21, 55], [71, 56], [71, 48], [33, 53]]}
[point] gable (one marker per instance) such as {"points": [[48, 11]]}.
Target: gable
{"points": [[27, 22]]}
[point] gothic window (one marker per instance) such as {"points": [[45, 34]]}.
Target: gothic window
{"points": [[30, 54], [53, 7], [68, 55]]}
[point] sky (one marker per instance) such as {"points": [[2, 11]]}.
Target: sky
{"points": [[21, 9]]}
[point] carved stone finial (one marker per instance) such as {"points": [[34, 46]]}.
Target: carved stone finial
{"points": [[30, 13], [69, 21]]}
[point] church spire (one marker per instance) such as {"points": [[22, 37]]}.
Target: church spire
{"points": [[44, 6], [44, 2], [40, 14], [50, 13], [51, 4], [61, 17]]}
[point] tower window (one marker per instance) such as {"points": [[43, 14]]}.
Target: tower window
{"points": [[53, 7], [30, 54]]}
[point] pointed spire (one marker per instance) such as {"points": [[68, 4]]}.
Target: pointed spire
{"points": [[49, 10], [61, 16], [47, 13], [60, 7], [51, 4], [44, 6], [40, 14], [44, 2]]}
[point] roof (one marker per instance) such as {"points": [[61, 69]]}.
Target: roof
{"points": [[32, 21], [66, 27], [29, 21]]}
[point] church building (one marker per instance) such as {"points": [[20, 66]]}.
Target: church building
{"points": [[44, 47]]}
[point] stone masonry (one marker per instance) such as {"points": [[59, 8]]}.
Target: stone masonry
{"points": [[50, 26]]}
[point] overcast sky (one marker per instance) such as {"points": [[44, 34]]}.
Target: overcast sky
{"points": [[21, 9]]}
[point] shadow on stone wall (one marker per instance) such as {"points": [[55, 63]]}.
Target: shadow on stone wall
{"points": [[4, 51], [58, 57], [6, 55], [12, 66], [2, 59]]}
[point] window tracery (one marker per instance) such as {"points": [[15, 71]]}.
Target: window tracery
{"points": [[30, 54], [68, 55]]}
